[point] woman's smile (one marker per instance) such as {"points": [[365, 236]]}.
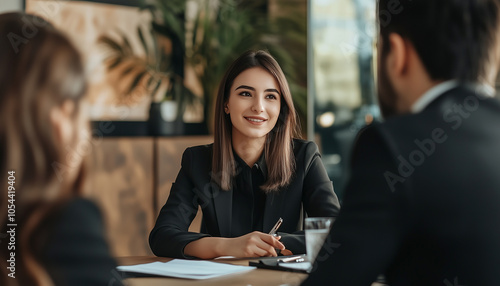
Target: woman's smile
{"points": [[255, 120]]}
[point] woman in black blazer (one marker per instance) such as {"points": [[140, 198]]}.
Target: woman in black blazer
{"points": [[253, 174]]}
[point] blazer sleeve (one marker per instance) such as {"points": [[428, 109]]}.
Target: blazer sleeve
{"points": [[76, 252], [370, 227], [170, 234], [318, 196]]}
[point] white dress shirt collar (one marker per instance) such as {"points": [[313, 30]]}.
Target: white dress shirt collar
{"points": [[432, 94], [436, 91]]}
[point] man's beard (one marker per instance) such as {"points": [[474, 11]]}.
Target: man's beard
{"points": [[387, 96]]}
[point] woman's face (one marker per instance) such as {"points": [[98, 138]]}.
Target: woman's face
{"points": [[72, 130], [254, 103]]}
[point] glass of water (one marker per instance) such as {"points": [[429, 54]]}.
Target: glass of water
{"points": [[317, 229]]}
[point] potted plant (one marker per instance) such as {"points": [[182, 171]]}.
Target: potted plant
{"points": [[159, 71]]}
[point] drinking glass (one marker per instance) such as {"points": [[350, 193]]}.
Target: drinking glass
{"points": [[317, 229]]}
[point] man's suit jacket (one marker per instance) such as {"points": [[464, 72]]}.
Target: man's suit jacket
{"points": [[423, 202], [310, 189]]}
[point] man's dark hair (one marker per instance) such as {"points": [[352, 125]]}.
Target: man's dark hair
{"points": [[455, 39]]}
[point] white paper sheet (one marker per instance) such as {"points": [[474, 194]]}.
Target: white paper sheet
{"points": [[189, 269]]}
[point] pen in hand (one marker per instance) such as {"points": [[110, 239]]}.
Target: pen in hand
{"points": [[275, 227], [274, 230]]}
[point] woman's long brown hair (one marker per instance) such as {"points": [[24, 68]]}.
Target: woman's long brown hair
{"points": [[278, 149], [40, 69]]}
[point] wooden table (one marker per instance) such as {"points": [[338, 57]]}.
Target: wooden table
{"points": [[256, 277]]}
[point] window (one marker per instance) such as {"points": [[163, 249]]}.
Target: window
{"points": [[341, 57]]}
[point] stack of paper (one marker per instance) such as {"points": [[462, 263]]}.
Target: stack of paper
{"points": [[190, 269]]}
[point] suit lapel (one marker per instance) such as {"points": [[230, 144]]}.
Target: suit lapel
{"points": [[223, 201]]}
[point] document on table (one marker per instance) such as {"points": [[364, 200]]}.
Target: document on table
{"points": [[189, 269]]}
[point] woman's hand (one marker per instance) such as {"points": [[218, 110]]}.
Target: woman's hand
{"points": [[254, 244]]}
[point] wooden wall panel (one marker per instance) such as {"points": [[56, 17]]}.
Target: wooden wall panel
{"points": [[169, 155], [84, 22], [121, 182]]}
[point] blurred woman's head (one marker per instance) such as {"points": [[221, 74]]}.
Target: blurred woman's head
{"points": [[254, 100], [42, 85]]}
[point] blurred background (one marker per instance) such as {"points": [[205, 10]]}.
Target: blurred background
{"points": [[341, 89], [154, 67]]}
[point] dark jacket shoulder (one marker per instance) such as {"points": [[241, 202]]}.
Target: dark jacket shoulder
{"points": [[76, 252], [200, 149], [305, 151], [301, 148]]}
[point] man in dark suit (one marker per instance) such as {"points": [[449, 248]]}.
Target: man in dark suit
{"points": [[423, 202]]}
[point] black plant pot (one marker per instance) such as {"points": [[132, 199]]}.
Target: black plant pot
{"points": [[159, 127]]}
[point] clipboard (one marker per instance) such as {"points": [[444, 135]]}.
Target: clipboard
{"points": [[275, 264]]}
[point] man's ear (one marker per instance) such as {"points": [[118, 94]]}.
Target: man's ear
{"points": [[397, 59], [61, 118]]}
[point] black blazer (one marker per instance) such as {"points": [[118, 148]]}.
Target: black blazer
{"points": [[310, 188], [75, 251], [423, 203]]}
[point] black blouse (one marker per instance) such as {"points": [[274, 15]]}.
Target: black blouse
{"points": [[248, 196]]}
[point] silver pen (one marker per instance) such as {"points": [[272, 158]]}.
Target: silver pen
{"points": [[298, 258], [275, 227]]}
